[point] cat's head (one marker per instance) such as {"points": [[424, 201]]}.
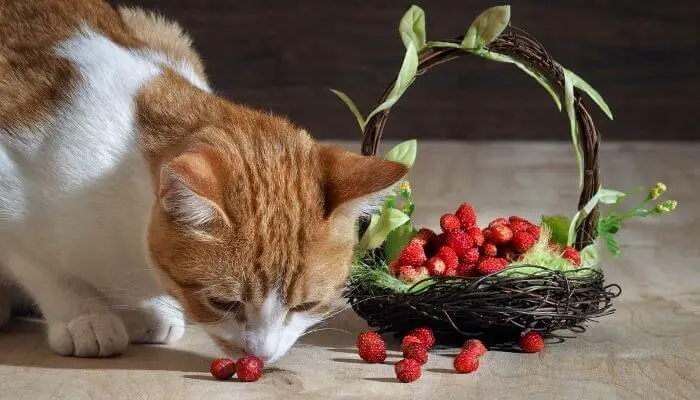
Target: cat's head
{"points": [[253, 231]]}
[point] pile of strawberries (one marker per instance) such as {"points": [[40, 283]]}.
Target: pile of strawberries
{"points": [[248, 368], [463, 249], [418, 342]]}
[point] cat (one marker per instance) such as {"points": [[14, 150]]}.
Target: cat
{"points": [[133, 197]]}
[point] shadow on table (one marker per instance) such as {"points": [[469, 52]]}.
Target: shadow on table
{"points": [[23, 343]]}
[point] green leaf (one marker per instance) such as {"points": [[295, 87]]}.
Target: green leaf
{"points": [[443, 44], [486, 27], [548, 86], [610, 243], [404, 153], [605, 196], [589, 256], [353, 108], [573, 124], [558, 226], [579, 83], [397, 240], [412, 27], [406, 75], [379, 227]]}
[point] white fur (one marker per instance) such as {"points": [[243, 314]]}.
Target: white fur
{"points": [[268, 332], [75, 198]]}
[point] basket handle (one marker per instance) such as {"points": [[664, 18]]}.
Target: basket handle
{"points": [[527, 50]]}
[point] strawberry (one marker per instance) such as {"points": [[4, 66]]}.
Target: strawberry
{"points": [[519, 226], [514, 218], [523, 241], [425, 335], [448, 256], [487, 234], [489, 250], [416, 352], [413, 254], [466, 269], [477, 235], [435, 266], [412, 274], [501, 234], [449, 223], [471, 256], [367, 337], [474, 347], [465, 363], [466, 215], [394, 267], [572, 255], [407, 370], [424, 236], [222, 368], [249, 368], [498, 222], [534, 230], [460, 242], [451, 272], [373, 352], [532, 342], [491, 265], [409, 340]]}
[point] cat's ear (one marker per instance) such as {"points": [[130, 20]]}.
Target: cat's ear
{"points": [[353, 183], [189, 189]]}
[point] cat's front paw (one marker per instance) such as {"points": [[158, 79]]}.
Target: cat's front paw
{"points": [[162, 332], [90, 335]]}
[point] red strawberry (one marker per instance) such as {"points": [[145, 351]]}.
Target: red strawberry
{"points": [[407, 370], [249, 368], [534, 230], [489, 250], [572, 255], [514, 218], [519, 225], [409, 340], [474, 348], [466, 269], [487, 234], [465, 363], [498, 222], [532, 342], [501, 234], [367, 337], [460, 242], [373, 352], [425, 335], [424, 236], [451, 272], [477, 235], [222, 368], [471, 256], [523, 241], [448, 256], [394, 267], [466, 215], [435, 266], [490, 265], [416, 352], [412, 274], [449, 223], [413, 254]]}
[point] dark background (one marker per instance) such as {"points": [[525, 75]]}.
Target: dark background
{"points": [[283, 55]]}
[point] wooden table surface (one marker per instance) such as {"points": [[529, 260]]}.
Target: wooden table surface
{"points": [[649, 349]]}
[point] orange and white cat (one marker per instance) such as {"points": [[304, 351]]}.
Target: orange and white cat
{"points": [[124, 179]]}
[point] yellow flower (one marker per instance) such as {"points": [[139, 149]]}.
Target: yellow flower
{"points": [[405, 187], [656, 191], [665, 207]]}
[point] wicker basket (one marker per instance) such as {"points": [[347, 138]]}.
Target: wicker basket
{"points": [[497, 307]]}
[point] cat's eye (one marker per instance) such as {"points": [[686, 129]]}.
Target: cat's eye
{"points": [[308, 306], [225, 305]]}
